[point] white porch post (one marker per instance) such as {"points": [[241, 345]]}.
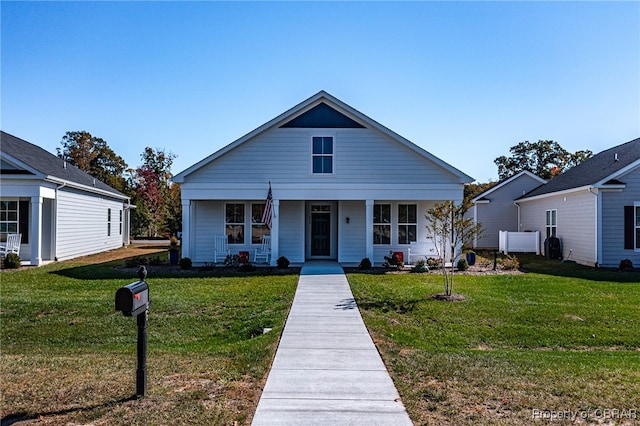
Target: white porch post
{"points": [[369, 229], [186, 233], [35, 239], [275, 230]]}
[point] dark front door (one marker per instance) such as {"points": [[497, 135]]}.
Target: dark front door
{"points": [[320, 234]]}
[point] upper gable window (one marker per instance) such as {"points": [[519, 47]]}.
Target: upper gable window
{"points": [[322, 154]]}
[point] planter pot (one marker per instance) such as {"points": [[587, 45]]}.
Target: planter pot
{"points": [[471, 258], [173, 257]]}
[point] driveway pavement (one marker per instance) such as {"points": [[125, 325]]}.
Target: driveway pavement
{"points": [[327, 371]]}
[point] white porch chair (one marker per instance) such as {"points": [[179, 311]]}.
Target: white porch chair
{"points": [[264, 251], [12, 245], [221, 248]]}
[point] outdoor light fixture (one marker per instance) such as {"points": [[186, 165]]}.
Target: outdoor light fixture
{"points": [[347, 219]]}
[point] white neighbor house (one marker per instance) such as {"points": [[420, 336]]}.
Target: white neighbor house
{"points": [[495, 208], [61, 211], [344, 188]]}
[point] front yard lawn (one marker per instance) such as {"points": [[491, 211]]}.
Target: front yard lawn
{"points": [[564, 341], [69, 358]]}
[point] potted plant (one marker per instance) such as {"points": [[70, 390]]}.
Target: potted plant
{"points": [[174, 252]]}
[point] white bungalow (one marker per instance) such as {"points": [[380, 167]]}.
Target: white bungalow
{"points": [[344, 188], [60, 211]]}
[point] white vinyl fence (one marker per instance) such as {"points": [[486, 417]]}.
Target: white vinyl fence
{"points": [[522, 242]]}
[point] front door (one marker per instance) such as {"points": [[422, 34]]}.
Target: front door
{"points": [[320, 232]]}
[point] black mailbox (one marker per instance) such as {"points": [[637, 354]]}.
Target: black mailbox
{"points": [[133, 299]]}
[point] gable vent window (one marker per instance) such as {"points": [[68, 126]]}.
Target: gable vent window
{"points": [[322, 154]]}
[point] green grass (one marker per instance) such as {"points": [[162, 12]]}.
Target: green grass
{"points": [[561, 338], [68, 356]]}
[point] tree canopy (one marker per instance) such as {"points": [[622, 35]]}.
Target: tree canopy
{"points": [[92, 155], [544, 158]]}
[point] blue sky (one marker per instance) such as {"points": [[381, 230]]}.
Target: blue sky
{"points": [[463, 80]]}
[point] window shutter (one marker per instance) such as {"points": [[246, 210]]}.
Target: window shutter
{"points": [[23, 221], [629, 227]]}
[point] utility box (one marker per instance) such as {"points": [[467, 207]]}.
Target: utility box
{"points": [[133, 299]]}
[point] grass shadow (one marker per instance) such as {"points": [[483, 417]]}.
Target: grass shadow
{"points": [[541, 265], [10, 419]]}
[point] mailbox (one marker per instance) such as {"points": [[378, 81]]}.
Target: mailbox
{"points": [[133, 299]]}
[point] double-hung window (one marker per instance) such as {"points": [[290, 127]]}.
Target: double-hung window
{"points": [[258, 228], [552, 223], [382, 224], [234, 223], [407, 223], [322, 154], [8, 219]]}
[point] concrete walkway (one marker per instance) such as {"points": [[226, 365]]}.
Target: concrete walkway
{"points": [[327, 370]]}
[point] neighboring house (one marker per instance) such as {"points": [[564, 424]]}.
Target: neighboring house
{"points": [[495, 208], [61, 211], [593, 208], [344, 187]]}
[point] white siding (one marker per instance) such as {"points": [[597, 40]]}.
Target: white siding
{"points": [[82, 224], [576, 223], [284, 155], [292, 230], [500, 214], [613, 221]]}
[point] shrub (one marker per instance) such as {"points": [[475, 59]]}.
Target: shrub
{"points": [[232, 260], [173, 243], [247, 267], [365, 264], [420, 266], [626, 265], [12, 261], [462, 265], [392, 261], [185, 263], [510, 263], [432, 262], [282, 262]]}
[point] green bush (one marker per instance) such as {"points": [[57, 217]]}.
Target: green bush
{"points": [[626, 265], [420, 266], [365, 264], [462, 265], [12, 261], [509, 263], [282, 262]]}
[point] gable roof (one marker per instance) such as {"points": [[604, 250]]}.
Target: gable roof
{"points": [[505, 182], [40, 163], [297, 116], [598, 171]]}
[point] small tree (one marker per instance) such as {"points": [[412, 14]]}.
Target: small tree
{"points": [[450, 231]]}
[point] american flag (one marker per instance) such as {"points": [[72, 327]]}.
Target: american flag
{"points": [[268, 207]]}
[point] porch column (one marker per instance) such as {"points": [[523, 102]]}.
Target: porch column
{"points": [[275, 230], [186, 233], [35, 239], [369, 229]]}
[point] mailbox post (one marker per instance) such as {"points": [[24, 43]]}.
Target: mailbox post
{"points": [[133, 300]]}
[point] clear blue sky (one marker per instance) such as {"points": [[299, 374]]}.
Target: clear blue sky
{"points": [[464, 80]]}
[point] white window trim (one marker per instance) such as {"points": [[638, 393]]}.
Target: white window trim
{"points": [[17, 221], [244, 223], [551, 226], [333, 154], [399, 224], [389, 224]]}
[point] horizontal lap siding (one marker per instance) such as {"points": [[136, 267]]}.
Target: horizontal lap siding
{"points": [[613, 221], [576, 223], [291, 222], [284, 156], [352, 238], [82, 224], [208, 222]]}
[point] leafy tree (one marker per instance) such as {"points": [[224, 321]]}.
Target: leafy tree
{"points": [[92, 155], [155, 196], [544, 158], [450, 231]]}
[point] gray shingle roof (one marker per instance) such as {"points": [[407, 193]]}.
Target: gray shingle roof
{"points": [[48, 164], [593, 170]]}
